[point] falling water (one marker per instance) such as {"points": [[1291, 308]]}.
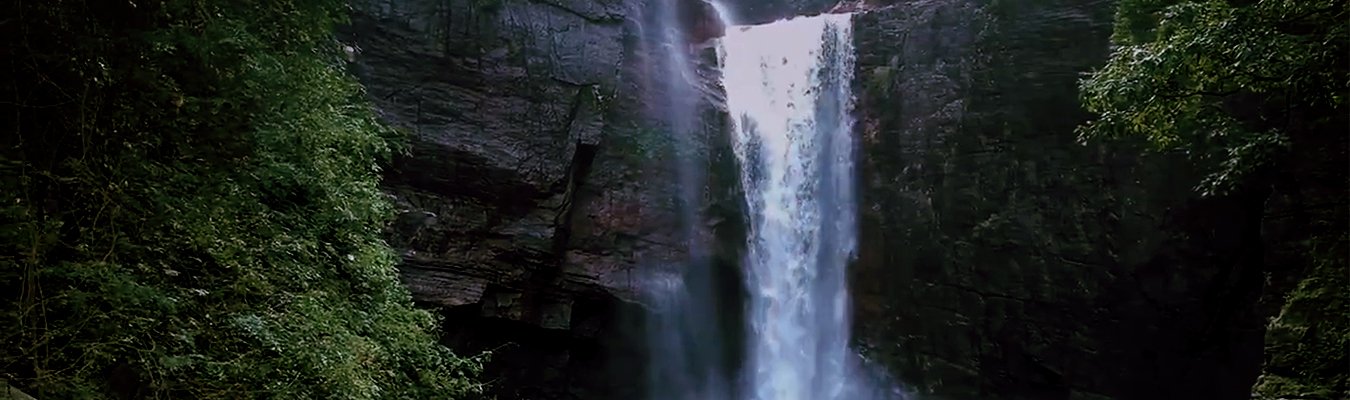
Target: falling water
{"points": [[788, 92], [724, 13], [687, 330]]}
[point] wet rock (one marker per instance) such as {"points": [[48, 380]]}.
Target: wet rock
{"points": [[700, 22], [503, 102], [856, 6], [1001, 259], [534, 192], [755, 12]]}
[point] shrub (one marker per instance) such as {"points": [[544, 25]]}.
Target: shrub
{"points": [[191, 210]]}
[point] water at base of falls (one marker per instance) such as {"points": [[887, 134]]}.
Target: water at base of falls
{"points": [[788, 93]]}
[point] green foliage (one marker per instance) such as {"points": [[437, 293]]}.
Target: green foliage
{"points": [[1230, 83], [1252, 91], [1309, 342], [191, 210]]}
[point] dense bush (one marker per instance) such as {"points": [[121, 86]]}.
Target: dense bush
{"points": [[191, 211]]}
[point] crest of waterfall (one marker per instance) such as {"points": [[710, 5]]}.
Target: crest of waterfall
{"points": [[788, 92]]}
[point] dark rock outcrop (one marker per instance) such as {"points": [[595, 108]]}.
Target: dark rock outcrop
{"points": [[535, 191], [504, 105], [1002, 259], [755, 12], [999, 259], [701, 21]]}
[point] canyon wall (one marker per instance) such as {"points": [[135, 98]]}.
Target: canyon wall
{"points": [[1003, 259], [999, 257], [538, 187]]}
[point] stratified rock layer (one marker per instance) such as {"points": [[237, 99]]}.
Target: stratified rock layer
{"points": [[537, 191], [503, 103]]}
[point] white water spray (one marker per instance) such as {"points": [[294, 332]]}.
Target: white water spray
{"points": [[788, 92]]}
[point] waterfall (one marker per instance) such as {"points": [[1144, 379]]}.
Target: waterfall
{"points": [[788, 93], [688, 330]]}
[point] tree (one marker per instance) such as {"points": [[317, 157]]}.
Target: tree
{"points": [[1229, 82], [1254, 91], [191, 210]]}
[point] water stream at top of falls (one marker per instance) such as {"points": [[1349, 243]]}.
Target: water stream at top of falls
{"points": [[788, 86]]}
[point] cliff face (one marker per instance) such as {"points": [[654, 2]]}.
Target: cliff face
{"points": [[999, 258], [538, 188], [1002, 259], [504, 103]]}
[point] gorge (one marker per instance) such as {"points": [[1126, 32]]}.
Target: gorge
{"points": [[996, 256], [676, 199]]}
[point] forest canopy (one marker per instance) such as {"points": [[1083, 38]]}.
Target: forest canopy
{"points": [[191, 210]]}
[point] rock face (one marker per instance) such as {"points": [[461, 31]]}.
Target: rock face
{"points": [[1001, 259], [504, 103], [755, 12], [536, 191]]}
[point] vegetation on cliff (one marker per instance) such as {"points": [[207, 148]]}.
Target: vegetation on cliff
{"points": [[1255, 93], [191, 210], [1230, 83]]}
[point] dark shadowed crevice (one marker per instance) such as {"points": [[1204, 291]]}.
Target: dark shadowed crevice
{"points": [[580, 166]]}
